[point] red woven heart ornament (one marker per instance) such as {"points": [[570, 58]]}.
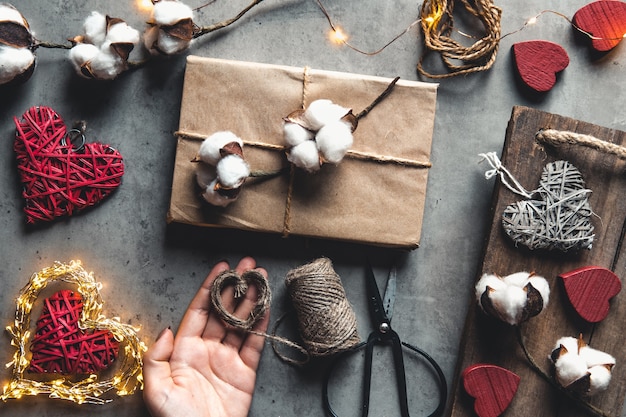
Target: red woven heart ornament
{"points": [[59, 178], [60, 346]]}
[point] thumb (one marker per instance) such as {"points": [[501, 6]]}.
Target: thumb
{"points": [[156, 363]]}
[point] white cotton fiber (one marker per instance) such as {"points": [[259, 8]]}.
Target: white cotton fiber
{"points": [[569, 368], [595, 357], [295, 134], [232, 171], [205, 174], [81, 54], [122, 33], [169, 45], [95, 27], [333, 141], [9, 13], [305, 156], [106, 65], [599, 379], [215, 198], [488, 280], [321, 112], [13, 62], [170, 12], [209, 151]]}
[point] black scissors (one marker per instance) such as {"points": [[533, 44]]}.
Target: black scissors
{"points": [[381, 312]]}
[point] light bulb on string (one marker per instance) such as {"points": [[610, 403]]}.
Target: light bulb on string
{"points": [[144, 5]]}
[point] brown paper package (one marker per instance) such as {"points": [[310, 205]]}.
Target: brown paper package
{"points": [[370, 202]]}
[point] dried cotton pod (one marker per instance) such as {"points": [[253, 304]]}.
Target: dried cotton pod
{"points": [[170, 28], [103, 50], [222, 169], [513, 299], [580, 368], [17, 60], [320, 133]]}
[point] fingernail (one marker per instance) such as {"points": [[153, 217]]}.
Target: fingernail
{"points": [[163, 332]]}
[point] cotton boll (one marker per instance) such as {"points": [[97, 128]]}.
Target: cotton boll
{"points": [[514, 298], [595, 357], [570, 343], [232, 171], [305, 156], [122, 33], [14, 62], [599, 379], [209, 151], [295, 134], [569, 368], [321, 112], [212, 196], [9, 13], [333, 141], [81, 55], [95, 28], [169, 45], [170, 12], [106, 65], [205, 174]]}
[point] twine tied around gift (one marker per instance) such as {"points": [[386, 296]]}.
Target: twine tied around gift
{"points": [[561, 137], [557, 215], [326, 321], [353, 154]]}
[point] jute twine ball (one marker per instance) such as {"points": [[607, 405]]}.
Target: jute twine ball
{"points": [[326, 321]]}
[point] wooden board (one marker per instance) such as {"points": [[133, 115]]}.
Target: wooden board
{"points": [[488, 341]]}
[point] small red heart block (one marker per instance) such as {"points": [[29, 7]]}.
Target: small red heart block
{"points": [[604, 21], [492, 387], [61, 347], [538, 62], [589, 289]]}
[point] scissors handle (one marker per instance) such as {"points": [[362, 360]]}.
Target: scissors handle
{"points": [[398, 362]]}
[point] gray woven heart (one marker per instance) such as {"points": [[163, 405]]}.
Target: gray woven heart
{"points": [[558, 216]]}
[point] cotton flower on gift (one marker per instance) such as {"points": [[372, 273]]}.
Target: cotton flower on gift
{"points": [[170, 28], [222, 169], [580, 368], [17, 60], [514, 298], [102, 52], [321, 133]]}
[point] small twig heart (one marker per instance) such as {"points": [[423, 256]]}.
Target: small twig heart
{"points": [[241, 284]]}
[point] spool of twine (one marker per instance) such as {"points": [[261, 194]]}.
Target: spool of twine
{"points": [[326, 321]]}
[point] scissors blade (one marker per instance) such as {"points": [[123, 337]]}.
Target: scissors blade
{"points": [[375, 300], [390, 292]]}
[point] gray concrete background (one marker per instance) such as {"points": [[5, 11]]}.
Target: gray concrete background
{"points": [[150, 270]]}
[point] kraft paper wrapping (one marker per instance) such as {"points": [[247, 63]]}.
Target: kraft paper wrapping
{"points": [[371, 202]]}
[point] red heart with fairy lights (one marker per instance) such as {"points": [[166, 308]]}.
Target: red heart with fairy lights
{"points": [[492, 387], [538, 62], [61, 346], [604, 21], [60, 178]]}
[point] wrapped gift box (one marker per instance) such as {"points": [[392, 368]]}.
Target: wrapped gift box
{"points": [[378, 202]]}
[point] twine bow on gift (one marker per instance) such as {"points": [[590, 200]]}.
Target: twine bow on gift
{"points": [[350, 153]]}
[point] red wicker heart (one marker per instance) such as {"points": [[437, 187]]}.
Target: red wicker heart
{"points": [[60, 346], [60, 179]]}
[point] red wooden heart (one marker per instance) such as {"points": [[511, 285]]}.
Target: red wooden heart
{"points": [[59, 178], [492, 387], [538, 62], [589, 289], [60, 346], [605, 21]]}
